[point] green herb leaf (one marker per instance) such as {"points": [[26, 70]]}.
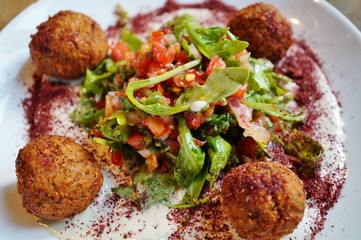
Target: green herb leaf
{"points": [[213, 41], [221, 83], [190, 158], [303, 147], [133, 42], [153, 187], [209, 41], [115, 127], [157, 108], [219, 151], [86, 114]]}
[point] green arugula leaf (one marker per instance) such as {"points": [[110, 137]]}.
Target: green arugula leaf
{"points": [[115, 127], [190, 158], [158, 108], [133, 42], [209, 41], [303, 147], [221, 83], [219, 151]]}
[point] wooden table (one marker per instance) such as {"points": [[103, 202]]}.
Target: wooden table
{"points": [[10, 8]]}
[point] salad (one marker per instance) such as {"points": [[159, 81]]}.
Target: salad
{"points": [[188, 104]]}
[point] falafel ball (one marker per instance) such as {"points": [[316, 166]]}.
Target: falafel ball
{"points": [[268, 33], [57, 177], [263, 200], [67, 44]]}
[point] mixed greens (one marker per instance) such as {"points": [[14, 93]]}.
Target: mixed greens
{"points": [[188, 104]]}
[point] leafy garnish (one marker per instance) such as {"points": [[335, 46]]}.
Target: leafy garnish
{"points": [[209, 41], [190, 158], [303, 147], [219, 151], [222, 83]]}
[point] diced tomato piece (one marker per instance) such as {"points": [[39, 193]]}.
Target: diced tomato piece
{"points": [[277, 128], [137, 141], [160, 88], [119, 51], [164, 51], [273, 119], [173, 145], [167, 30], [141, 64], [241, 92], [167, 130], [193, 119], [163, 168], [198, 142], [181, 57], [117, 158], [216, 62], [247, 147], [157, 126], [155, 68], [96, 133], [157, 36], [152, 163], [173, 133], [100, 104]]}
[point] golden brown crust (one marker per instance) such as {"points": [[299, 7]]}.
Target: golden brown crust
{"points": [[268, 33], [57, 177], [263, 200], [67, 44]]}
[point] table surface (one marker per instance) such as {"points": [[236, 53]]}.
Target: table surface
{"points": [[10, 8]]}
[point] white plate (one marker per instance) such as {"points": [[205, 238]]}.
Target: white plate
{"points": [[335, 40]]}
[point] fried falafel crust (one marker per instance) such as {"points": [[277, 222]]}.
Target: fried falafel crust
{"points": [[268, 33], [67, 44], [57, 178], [263, 200]]}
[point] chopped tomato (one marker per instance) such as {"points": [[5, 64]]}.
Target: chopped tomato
{"points": [[117, 158], [240, 93], [96, 133], [163, 50], [198, 142], [173, 133], [273, 119], [100, 104], [152, 163], [155, 68], [247, 147], [160, 88], [181, 57], [157, 126], [141, 64], [119, 51], [163, 168], [216, 62], [173, 145], [137, 141], [193, 119]]}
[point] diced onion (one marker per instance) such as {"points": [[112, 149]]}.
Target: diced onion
{"points": [[197, 106], [194, 51]]}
